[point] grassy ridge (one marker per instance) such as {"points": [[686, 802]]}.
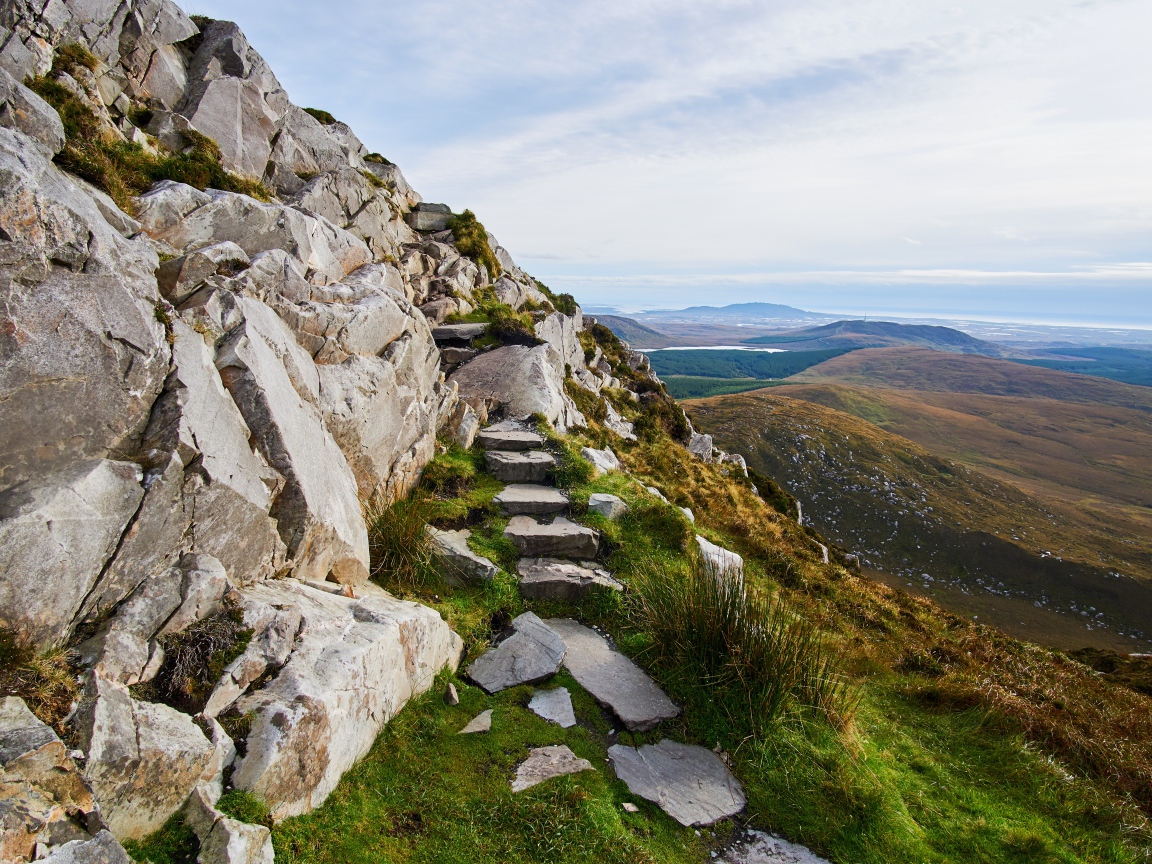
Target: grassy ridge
{"points": [[1119, 364], [718, 363]]}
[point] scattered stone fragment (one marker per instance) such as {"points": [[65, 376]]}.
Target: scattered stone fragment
{"points": [[653, 490], [688, 514], [513, 439], [458, 332], [521, 466], [561, 538], [760, 848], [450, 695], [718, 558], [544, 763], [461, 563], [532, 653], [482, 722], [700, 446], [608, 506], [554, 705], [553, 579], [602, 460], [689, 783], [531, 499], [629, 807], [101, 849], [612, 678]]}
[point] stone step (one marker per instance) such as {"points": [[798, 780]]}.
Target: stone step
{"points": [[756, 847], [553, 579], [612, 678], [530, 499], [501, 439], [691, 784], [461, 564], [531, 653], [458, 332], [528, 466], [560, 539]]}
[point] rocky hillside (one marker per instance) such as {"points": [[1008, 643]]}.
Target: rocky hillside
{"points": [[220, 340]]}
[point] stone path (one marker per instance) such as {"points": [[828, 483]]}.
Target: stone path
{"points": [[509, 439], [556, 579], [691, 784], [529, 499], [532, 653], [519, 466], [612, 678], [561, 538], [760, 848]]}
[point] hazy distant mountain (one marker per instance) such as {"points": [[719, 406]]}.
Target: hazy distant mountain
{"points": [[743, 313], [634, 333], [883, 334]]}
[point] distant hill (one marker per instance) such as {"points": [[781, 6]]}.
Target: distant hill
{"points": [[882, 334], [635, 333], [920, 369], [737, 311], [1132, 366]]}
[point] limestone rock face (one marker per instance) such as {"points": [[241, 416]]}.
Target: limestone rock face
{"points": [[56, 534], [356, 662], [82, 356], [23, 110], [276, 386], [524, 380], [224, 840], [101, 849], [561, 332], [143, 761], [43, 798]]}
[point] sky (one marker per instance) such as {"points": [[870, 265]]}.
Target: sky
{"points": [[989, 158]]}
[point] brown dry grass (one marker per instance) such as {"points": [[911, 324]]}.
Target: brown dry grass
{"points": [[47, 682]]}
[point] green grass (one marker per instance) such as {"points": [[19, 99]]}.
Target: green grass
{"points": [[1120, 364], [472, 240], [426, 794], [692, 387], [322, 116]]}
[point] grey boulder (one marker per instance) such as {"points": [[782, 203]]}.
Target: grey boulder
{"points": [[224, 840], [602, 460], [561, 538], [689, 783], [531, 653], [460, 562], [608, 506], [101, 849], [525, 380], [509, 439], [23, 110]]}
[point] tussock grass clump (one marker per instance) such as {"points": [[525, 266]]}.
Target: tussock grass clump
{"points": [[245, 806], [321, 115], [472, 239], [194, 661], [398, 543], [564, 303], [46, 682], [377, 159], [124, 169], [174, 843], [705, 620]]}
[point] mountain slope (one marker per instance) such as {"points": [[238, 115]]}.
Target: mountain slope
{"points": [[988, 548], [635, 333], [878, 334]]}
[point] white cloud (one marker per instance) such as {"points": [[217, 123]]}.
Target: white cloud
{"points": [[747, 142]]}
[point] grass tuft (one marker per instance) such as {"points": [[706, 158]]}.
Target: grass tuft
{"points": [[398, 542], [321, 115], [472, 240], [46, 682]]}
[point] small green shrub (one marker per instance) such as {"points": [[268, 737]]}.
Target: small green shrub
{"points": [[377, 159], [70, 58], [194, 661], [564, 303], [374, 181], [472, 239], [398, 542], [321, 115]]}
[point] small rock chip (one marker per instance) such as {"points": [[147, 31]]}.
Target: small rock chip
{"points": [[629, 807], [544, 763], [482, 722], [554, 706], [450, 695]]}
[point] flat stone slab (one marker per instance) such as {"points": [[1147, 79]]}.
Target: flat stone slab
{"points": [[608, 506], [554, 579], [612, 678], [561, 538], [554, 706], [458, 332], [482, 722], [691, 784], [516, 439], [532, 653], [531, 499], [521, 466], [544, 763], [461, 563], [760, 848]]}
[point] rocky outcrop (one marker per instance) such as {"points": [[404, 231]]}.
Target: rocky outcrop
{"points": [[354, 664], [524, 380]]}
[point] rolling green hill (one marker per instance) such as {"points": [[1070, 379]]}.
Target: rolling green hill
{"points": [[848, 335]]}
